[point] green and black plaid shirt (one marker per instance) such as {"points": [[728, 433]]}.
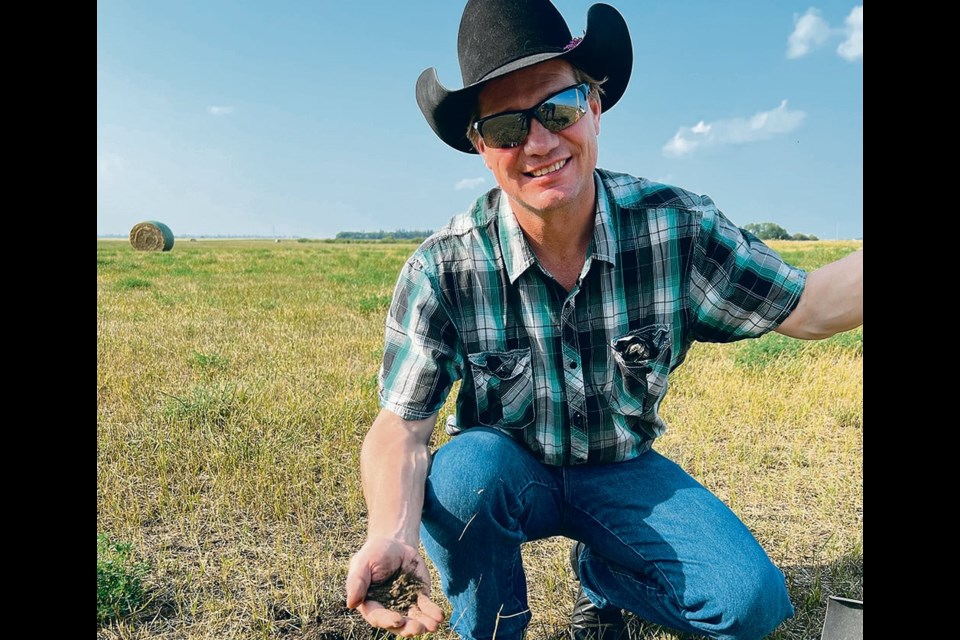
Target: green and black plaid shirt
{"points": [[579, 376]]}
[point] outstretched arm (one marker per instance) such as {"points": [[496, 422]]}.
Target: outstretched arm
{"points": [[831, 302], [394, 463]]}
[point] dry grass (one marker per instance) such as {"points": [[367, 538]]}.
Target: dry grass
{"points": [[235, 383]]}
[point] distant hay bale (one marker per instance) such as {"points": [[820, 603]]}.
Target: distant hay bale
{"points": [[151, 236]]}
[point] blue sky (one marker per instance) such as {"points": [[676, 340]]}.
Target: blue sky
{"points": [[298, 118]]}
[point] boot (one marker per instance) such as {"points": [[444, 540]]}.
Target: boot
{"points": [[588, 621]]}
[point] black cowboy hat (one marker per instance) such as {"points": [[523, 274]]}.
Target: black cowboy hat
{"points": [[500, 36]]}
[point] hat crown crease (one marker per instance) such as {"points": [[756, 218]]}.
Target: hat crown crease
{"points": [[494, 33]]}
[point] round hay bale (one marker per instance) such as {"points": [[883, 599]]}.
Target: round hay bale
{"points": [[151, 236]]}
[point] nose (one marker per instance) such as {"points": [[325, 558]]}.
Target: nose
{"points": [[539, 140]]}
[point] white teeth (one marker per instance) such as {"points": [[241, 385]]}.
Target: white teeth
{"points": [[554, 167]]}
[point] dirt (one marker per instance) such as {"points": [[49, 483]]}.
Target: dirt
{"points": [[398, 592]]}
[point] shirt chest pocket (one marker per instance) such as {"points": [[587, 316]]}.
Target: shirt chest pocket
{"points": [[643, 365], [503, 385]]}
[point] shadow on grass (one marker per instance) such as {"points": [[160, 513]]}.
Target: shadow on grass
{"points": [[810, 586]]}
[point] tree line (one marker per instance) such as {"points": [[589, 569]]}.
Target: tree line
{"points": [[763, 230], [399, 234], [773, 231]]}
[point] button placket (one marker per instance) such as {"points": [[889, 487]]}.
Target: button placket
{"points": [[573, 383]]}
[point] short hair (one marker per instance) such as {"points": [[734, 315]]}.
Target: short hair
{"points": [[579, 75]]}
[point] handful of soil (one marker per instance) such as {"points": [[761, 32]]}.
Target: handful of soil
{"points": [[398, 592]]}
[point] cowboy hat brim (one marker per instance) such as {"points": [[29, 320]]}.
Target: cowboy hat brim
{"points": [[604, 52]]}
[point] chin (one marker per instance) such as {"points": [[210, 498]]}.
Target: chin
{"points": [[553, 197]]}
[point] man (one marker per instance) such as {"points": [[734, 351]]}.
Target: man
{"points": [[562, 302]]}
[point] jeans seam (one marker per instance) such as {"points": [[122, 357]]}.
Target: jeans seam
{"points": [[520, 605], [520, 494], [672, 590]]}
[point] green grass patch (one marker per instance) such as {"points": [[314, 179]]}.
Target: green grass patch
{"points": [[208, 361], [775, 347], [204, 405], [120, 590], [374, 303], [133, 283]]}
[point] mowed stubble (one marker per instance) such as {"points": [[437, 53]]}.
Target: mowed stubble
{"points": [[236, 380]]}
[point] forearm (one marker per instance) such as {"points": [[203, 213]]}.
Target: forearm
{"points": [[394, 462], [832, 300]]}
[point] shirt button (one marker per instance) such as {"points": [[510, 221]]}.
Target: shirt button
{"points": [[573, 364], [578, 419]]}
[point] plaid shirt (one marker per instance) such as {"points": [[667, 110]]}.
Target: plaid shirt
{"points": [[579, 376]]}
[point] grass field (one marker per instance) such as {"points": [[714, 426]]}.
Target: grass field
{"points": [[236, 380]]}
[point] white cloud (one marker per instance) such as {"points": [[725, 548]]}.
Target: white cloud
{"points": [[810, 31], [852, 48], [219, 111], [680, 145], [469, 183], [701, 127], [760, 126]]}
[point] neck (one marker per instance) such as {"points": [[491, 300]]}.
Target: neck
{"points": [[559, 239]]}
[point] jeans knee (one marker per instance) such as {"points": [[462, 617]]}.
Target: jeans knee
{"points": [[755, 606], [470, 481]]}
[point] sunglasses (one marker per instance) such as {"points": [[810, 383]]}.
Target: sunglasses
{"points": [[556, 113]]}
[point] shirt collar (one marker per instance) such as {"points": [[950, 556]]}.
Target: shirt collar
{"points": [[603, 246], [517, 254]]}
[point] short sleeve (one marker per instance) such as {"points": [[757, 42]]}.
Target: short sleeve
{"points": [[420, 357], [738, 286]]}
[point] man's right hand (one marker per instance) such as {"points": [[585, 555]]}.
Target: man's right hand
{"points": [[377, 560]]}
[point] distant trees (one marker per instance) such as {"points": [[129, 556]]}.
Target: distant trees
{"points": [[773, 231], [763, 230], [399, 234]]}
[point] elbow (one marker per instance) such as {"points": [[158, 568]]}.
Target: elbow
{"points": [[816, 317], [815, 333], [805, 328], [804, 333], [390, 432]]}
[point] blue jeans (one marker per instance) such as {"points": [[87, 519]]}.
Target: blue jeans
{"points": [[658, 543]]}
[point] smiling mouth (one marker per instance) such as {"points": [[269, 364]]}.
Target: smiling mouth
{"points": [[556, 166]]}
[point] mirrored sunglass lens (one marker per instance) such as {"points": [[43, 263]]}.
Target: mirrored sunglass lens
{"points": [[504, 131], [556, 113], [561, 111], [562, 117]]}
